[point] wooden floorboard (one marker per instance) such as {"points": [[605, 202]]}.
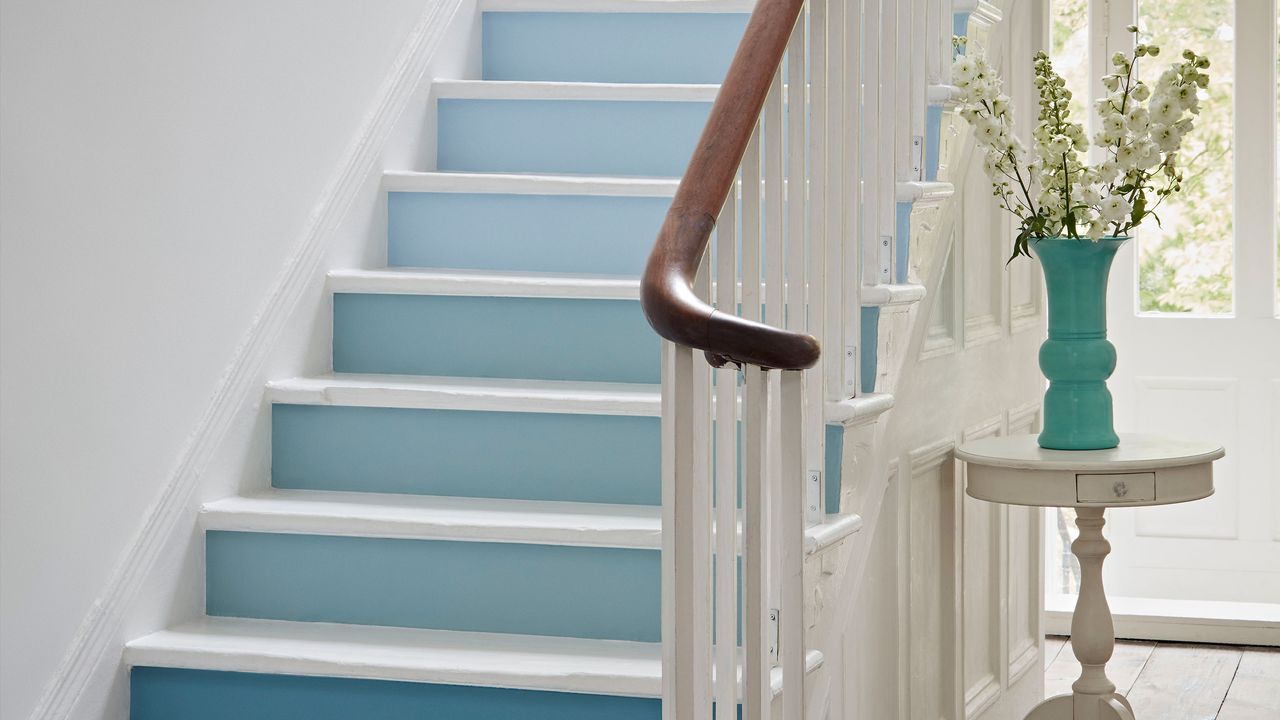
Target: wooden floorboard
{"points": [[1180, 681], [1127, 661], [1255, 690]]}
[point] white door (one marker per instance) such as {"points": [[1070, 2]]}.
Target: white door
{"points": [[1193, 307]]}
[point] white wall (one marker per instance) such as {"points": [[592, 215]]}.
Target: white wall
{"points": [[159, 162]]}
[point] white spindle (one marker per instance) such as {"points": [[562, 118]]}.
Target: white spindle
{"points": [[757, 694], [855, 138], [890, 121], [726, 472], [686, 546], [774, 152], [840, 203], [791, 622], [919, 82]]}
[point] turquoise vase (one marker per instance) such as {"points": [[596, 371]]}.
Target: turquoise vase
{"points": [[1077, 358]]}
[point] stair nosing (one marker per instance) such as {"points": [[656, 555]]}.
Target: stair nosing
{"points": [[447, 657], [423, 517], [528, 183], [484, 283], [479, 394], [559, 90]]}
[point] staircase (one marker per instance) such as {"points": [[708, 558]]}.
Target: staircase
{"points": [[463, 520]]}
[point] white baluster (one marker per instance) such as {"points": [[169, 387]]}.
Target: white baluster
{"points": [[686, 544], [792, 492], [855, 138], [726, 448], [757, 692]]}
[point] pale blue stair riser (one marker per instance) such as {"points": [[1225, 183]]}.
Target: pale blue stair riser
{"points": [[639, 138], [173, 694], [526, 589], [933, 142], [514, 455], [902, 247], [869, 365], [536, 233], [611, 47], [494, 337]]}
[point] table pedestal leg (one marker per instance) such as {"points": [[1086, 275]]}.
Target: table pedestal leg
{"points": [[1093, 636]]}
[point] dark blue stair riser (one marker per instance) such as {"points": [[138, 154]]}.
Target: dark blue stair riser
{"points": [[611, 47], [495, 337], [526, 589], [636, 138], [515, 455], [177, 694], [533, 233]]}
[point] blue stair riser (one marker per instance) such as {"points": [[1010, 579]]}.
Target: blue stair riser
{"points": [[169, 694], [529, 456], [537, 233], [495, 337], [640, 138], [611, 47], [527, 589]]}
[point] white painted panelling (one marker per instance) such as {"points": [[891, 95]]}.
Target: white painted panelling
{"points": [[983, 583], [616, 6], [384, 515], [1193, 408], [935, 664], [981, 254], [1024, 294], [1275, 459], [515, 184], [445, 393], [484, 283], [943, 326], [534, 90]]}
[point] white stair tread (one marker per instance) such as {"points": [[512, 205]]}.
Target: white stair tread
{"points": [[646, 6], [530, 662], [483, 394], [484, 283], [917, 190], [830, 531], [858, 409], [407, 654], [543, 90], [943, 94], [319, 512], [528, 184], [891, 294], [387, 515]]}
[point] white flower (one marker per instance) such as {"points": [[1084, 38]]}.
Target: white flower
{"points": [[1059, 145], [1148, 155], [1097, 229], [1167, 137], [1115, 208], [1139, 119], [1141, 92], [1000, 106], [1187, 97], [1127, 156], [1165, 110], [963, 70], [1113, 124]]}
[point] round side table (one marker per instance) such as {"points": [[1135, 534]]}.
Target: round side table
{"points": [[1143, 470]]}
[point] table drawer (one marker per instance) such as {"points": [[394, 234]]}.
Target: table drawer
{"points": [[1116, 487]]}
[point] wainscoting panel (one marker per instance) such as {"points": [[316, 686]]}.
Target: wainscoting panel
{"points": [[1025, 557], [932, 534], [983, 583], [943, 329]]}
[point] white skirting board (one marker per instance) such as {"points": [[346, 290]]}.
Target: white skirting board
{"points": [[1207, 621]]}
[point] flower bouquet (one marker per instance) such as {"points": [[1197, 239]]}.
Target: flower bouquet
{"points": [[1075, 216]]}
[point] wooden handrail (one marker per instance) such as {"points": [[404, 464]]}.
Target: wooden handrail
{"points": [[666, 292]]}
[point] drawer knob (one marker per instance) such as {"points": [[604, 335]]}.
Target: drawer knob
{"points": [[1120, 488]]}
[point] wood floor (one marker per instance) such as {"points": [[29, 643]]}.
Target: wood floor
{"points": [[1173, 681]]}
